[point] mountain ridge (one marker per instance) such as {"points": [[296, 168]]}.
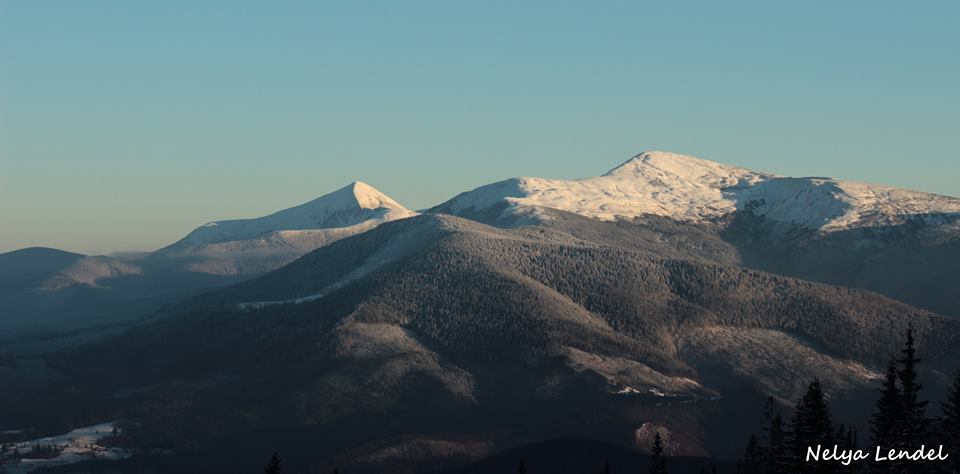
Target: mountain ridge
{"points": [[822, 229], [697, 190]]}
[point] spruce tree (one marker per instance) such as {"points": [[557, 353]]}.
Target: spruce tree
{"points": [[811, 426], [950, 426], [752, 458], [523, 467], [769, 407], [274, 466], [658, 463], [913, 409], [844, 439], [886, 424], [606, 468], [777, 460]]}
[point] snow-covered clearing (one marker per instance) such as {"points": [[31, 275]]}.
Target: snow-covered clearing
{"points": [[81, 444]]}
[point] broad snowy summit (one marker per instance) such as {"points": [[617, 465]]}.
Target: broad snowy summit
{"points": [[691, 189]]}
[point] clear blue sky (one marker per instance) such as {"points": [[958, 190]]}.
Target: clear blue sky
{"points": [[125, 124]]}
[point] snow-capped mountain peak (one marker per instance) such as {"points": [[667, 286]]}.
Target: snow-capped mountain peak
{"points": [[670, 168], [356, 194], [370, 198], [354, 204], [656, 182], [691, 189]]}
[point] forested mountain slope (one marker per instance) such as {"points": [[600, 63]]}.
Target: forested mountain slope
{"points": [[444, 324]]}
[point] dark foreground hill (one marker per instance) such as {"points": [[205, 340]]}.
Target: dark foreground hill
{"points": [[585, 456]]}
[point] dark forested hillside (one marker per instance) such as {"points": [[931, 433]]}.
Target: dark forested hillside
{"points": [[916, 261], [911, 262], [436, 328]]}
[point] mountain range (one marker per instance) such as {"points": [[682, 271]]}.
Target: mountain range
{"points": [[690, 189], [51, 291], [821, 229], [670, 294]]}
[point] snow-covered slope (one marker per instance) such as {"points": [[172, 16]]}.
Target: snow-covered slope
{"points": [[692, 189], [241, 246], [89, 271], [351, 205], [829, 205]]}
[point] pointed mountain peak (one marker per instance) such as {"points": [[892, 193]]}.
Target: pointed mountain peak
{"points": [[354, 196], [368, 197], [668, 166], [350, 205], [667, 159]]}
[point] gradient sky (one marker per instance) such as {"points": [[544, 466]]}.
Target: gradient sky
{"points": [[125, 124]]}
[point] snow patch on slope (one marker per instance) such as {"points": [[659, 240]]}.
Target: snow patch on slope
{"points": [[88, 271], [79, 445]]}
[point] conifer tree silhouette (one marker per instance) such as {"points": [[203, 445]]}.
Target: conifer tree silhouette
{"points": [[913, 410], [658, 462], [810, 426], [752, 458], [776, 459], [950, 425], [886, 424], [275, 466]]}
